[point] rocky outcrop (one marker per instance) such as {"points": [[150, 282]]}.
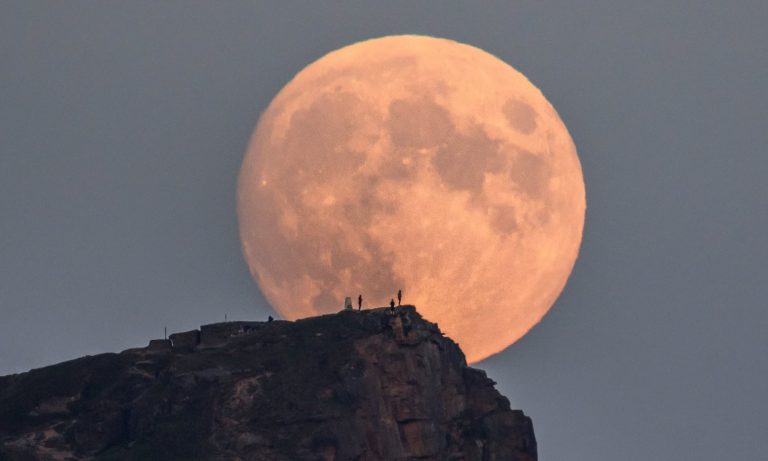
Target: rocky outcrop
{"points": [[357, 385]]}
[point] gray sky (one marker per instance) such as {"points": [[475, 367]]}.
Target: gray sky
{"points": [[123, 125]]}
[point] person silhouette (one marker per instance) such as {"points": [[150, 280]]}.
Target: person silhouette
{"points": [[269, 319], [360, 302], [392, 306], [399, 296]]}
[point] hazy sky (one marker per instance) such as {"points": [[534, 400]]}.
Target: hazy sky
{"points": [[123, 125]]}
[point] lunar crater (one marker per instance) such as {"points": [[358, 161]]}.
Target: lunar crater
{"points": [[520, 116], [418, 123], [463, 160]]}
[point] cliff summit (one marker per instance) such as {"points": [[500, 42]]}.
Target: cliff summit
{"points": [[357, 385]]}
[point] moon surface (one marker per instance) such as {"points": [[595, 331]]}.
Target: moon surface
{"points": [[414, 163]]}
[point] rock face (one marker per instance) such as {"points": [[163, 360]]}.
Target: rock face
{"points": [[358, 385]]}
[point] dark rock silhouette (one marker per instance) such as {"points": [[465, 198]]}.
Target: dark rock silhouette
{"points": [[358, 385]]}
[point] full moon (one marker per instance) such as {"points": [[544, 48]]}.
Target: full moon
{"points": [[414, 163]]}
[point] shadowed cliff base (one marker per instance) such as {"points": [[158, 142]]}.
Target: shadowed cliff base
{"points": [[357, 385]]}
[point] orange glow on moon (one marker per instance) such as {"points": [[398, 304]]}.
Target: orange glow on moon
{"points": [[417, 163]]}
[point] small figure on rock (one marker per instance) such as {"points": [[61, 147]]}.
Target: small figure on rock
{"points": [[269, 319], [360, 302], [399, 296], [392, 306]]}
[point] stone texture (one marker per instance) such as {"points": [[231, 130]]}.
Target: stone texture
{"points": [[159, 345], [187, 339], [217, 334], [350, 386]]}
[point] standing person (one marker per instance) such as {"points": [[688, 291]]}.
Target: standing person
{"points": [[392, 306], [360, 302], [399, 296]]}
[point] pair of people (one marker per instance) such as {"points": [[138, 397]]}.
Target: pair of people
{"points": [[391, 301], [399, 300]]}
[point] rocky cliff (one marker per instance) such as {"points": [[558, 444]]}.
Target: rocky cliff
{"points": [[365, 385]]}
